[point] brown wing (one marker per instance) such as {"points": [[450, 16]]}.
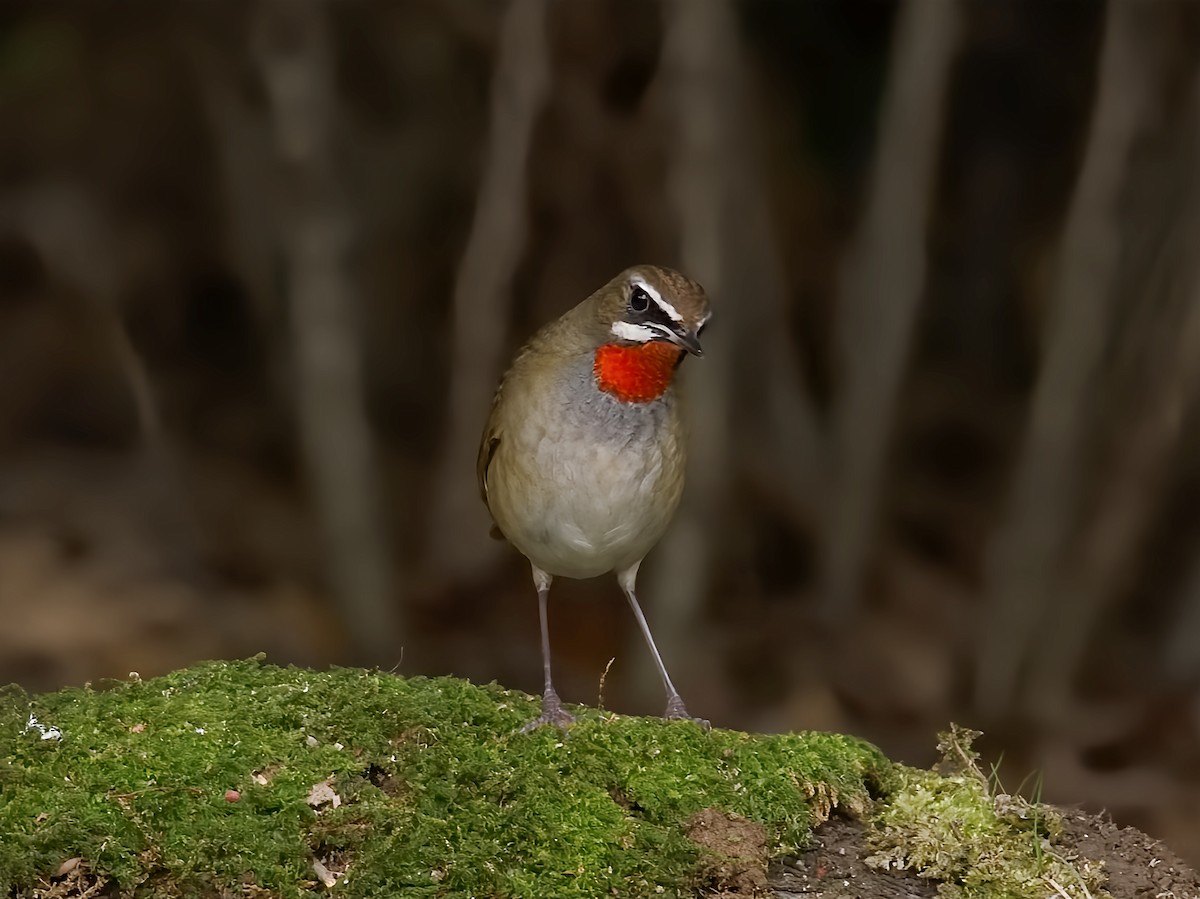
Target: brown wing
{"points": [[487, 451], [493, 432]]}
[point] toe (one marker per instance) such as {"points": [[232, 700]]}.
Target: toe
{"points": [[560, 718], [676, 711], [552, 713]]}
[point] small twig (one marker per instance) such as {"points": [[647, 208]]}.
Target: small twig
{"points": [[603, 680], [1058, 889], [124, 797], [1087, 893]]}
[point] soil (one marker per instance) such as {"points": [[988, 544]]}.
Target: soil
{"points": [[834, 868], [1138, 866], [733, 854]]}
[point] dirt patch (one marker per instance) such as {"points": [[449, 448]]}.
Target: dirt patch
{"points": [[734, 857], [1137, 866], [834, 868]]}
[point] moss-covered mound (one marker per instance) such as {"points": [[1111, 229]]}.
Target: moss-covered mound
{"points": [[240, 777], [959, 828]]}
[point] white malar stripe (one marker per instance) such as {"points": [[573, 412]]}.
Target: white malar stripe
{"points": [[630, 331], [657, 297]]}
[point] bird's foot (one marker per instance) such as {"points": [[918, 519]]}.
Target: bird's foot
{"points": [[676, 711], [552, 713]]}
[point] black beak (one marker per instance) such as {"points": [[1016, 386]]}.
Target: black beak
{"points": [[682, 337]]}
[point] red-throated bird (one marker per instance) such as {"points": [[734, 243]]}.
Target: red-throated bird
{"points": [[581, 463]]}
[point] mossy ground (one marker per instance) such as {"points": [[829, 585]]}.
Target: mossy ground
{"points": [[958, 827], [438, 794]]}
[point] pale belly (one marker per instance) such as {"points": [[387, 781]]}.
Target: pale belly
{"points": [[580, 509]]}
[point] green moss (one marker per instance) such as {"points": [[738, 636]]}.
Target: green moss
{"points": [[954, 828], [439, 795]]}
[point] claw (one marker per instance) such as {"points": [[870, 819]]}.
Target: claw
{"points": [[552, 713], [676, 711]]}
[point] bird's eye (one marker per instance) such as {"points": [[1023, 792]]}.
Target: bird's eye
{"points": [[639, 300]]}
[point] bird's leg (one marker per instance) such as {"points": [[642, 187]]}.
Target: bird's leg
{"points": [[552, 708], [675, 706]]}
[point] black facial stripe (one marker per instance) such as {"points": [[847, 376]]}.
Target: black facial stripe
{"points": [[655, 315]]}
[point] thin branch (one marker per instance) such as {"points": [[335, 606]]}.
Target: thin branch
{"points": [[773, 418], [294, 56], [244, 153], [1024, 554], [884, 282], [78, 238], [1166, 334], [727, 243], [1180, 659], [696, 70], [520, 85]]}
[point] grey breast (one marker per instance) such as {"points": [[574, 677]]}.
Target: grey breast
{"points": [[606, 419]]}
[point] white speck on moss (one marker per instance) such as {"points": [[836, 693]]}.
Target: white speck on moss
{"points": [[46, 731]]}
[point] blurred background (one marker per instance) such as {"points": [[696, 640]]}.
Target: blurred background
{"points": [[262, 264]]}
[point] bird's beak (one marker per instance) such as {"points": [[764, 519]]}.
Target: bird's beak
{"points": [[685, 338]]}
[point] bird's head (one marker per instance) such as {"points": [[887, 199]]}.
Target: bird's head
{"points": [[647, 304], [646, 319]]}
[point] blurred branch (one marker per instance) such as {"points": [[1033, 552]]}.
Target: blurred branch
{"points": [[1165, 340], [782, 448], [727, 243], [1182, 646], [67, 227], [244, 153], [76, 236], [1026, 551], [884, 282], [696, 70], [294, 55], [520, 84]]}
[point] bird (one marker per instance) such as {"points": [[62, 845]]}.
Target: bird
{"points": [[581, 462]]}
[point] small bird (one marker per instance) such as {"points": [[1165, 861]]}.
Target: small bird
{"points": [[582, 458]]}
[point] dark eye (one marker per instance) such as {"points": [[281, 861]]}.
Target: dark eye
{"points": [[639, 300]]}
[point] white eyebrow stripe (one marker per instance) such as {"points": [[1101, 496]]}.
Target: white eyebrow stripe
{"points": [[669, 309], [629, 331], [657, 297]]}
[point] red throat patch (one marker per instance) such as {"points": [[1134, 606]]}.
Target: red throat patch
{"points": [[636, 374]]}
